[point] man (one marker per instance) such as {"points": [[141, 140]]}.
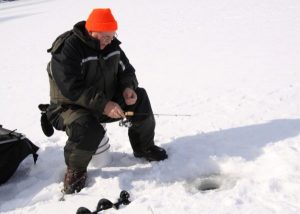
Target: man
{"points": [[92, 82]]}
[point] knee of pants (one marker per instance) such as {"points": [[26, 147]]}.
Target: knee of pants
{"points": [[141, 92], [142, 108], [85, 133]]}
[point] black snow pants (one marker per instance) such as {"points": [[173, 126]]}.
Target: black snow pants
{"points": [[86, 132]]}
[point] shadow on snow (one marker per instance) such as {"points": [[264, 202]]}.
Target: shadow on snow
{"points": [[190, 156]]}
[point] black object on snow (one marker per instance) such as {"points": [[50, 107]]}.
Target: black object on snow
{"points": [[14, 148], [105, 204]]}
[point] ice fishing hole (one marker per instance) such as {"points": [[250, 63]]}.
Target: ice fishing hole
{"points": [[208, 184]]}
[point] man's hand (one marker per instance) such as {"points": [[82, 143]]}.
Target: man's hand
{"points": [[113, 110], [129, 96]]}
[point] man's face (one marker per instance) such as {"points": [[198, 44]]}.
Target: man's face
{"points": [[105, 38]]}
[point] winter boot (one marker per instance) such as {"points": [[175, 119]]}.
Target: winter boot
{"points": [[74, 181], [153, 153]]}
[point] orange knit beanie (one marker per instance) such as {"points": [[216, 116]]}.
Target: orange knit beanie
{"points": [[101, 20]]}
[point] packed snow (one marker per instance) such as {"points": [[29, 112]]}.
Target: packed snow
{"points": [[232, 65]]}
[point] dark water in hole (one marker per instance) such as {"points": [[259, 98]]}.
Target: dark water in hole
{"points": [[214, 183], [208, 184]]}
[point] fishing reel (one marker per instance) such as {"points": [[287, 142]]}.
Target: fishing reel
{"points": [[126, 121]]}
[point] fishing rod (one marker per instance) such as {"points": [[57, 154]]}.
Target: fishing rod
{"points": [[126, 122], [131, 113]]}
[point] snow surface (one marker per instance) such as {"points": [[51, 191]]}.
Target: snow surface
{"points": [[233, 65]]}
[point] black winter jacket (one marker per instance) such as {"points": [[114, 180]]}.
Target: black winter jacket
{"points": [[82, 74]]}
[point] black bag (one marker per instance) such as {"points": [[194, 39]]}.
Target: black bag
{"points": [[14, 148]]}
